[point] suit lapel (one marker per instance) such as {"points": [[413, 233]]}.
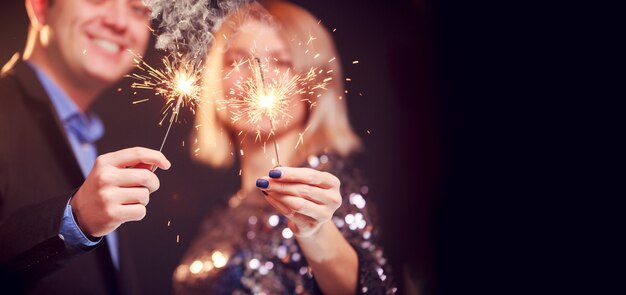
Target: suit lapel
{"points": [[41, 107], [127, 276], [111, 277]]}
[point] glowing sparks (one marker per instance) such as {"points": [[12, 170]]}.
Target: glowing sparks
{"points": [[311, 38], [173, 82], [179, 83], [184, 84], [301, 137], [140, 101], [256, 98], [236, 67]]}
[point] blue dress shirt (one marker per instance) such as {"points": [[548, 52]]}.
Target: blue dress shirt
{"points": [[82, 130]]}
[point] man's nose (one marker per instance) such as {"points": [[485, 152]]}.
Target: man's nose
{"points": [[117, 16]]}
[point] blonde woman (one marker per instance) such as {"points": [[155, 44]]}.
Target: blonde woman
{"points": [[308, 231]]}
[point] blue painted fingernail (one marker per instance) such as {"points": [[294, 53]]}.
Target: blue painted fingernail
{"points": [[262, 183], [275, 173]]}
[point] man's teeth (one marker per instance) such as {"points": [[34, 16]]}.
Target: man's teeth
{"points": [[107, 45]]}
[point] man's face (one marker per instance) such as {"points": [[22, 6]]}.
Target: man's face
{"points": [[90, 38]]}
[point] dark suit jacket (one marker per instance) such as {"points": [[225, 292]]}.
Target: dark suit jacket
{"points": [[38, 174]]}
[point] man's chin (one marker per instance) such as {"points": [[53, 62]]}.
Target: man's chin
{"points": [[106, 76], [108, 70]]}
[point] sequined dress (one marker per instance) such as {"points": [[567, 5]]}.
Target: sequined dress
{"points": [[247, 248]]}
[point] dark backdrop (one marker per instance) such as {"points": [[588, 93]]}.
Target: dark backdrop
{"points": [[399, 117]]}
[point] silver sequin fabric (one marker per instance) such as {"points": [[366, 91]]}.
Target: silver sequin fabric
{"points": [[247, 248]]}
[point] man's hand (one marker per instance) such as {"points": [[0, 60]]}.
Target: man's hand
{"points": [[117, 190]]}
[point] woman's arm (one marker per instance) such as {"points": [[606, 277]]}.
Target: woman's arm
{"points": [[309, 198], [333, 260]]}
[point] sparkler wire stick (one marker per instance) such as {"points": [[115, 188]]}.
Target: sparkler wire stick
{"points": [[172, 119], [275, 145], [262, 78]]}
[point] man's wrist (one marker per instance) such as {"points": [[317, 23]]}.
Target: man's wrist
{"points": [[72, 234]]}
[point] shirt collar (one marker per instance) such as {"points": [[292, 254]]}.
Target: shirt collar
{"points": [[87, 127]]}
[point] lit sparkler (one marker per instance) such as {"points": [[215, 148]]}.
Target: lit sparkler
{"points": [[179, 83], [256, 97]]}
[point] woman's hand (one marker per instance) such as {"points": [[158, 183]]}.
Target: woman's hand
{"points": [[307, 197]]}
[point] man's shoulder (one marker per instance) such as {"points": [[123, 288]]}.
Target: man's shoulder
{"points": [[10, 90], [8, 81]]}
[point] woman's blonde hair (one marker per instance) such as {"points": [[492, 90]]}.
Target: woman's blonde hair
{"points": [[328, 126]]}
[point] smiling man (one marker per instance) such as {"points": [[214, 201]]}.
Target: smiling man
{"points": [[60, 203]]}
